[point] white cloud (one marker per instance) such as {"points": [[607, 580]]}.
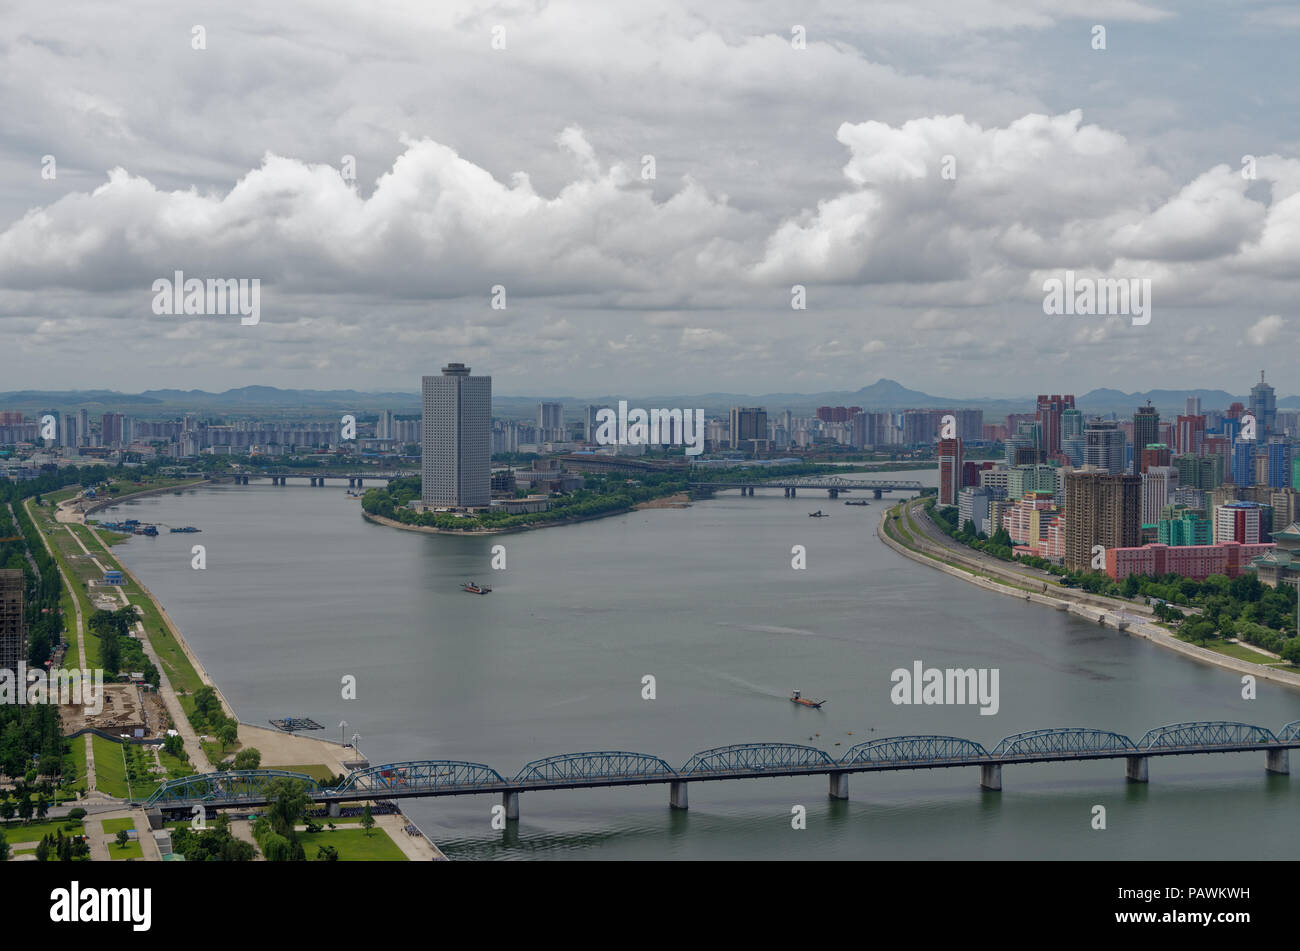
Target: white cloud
{"points": [[1265, 330]]}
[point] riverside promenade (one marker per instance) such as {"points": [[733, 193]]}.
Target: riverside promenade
{"points": [[1123, 616]]}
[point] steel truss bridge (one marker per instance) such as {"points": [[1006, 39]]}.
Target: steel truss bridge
{"points": [[832, 485], [414, 778]]}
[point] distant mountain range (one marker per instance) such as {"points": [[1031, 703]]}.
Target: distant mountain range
{"points": [[881, 395]]}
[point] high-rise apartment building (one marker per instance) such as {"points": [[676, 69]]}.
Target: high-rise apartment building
{"points": [[748, 423], [1243, 462], [1103, 446], [1238, 522], [1050, 411], [550, 422], [1190, 434], [13, 623], [1158, 486], [1263, 406], [949, 455], [1146, 429], [110, 429], [1100, 509], [1279, 464], [455, 466], [1155, 454]]}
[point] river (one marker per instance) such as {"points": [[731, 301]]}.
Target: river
{"points": [[299, 591]]}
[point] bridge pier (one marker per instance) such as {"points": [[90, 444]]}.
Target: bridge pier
{"points": [[360, 482], [991, 776], [878, 492], [511, 802], [793, 492], [787, 491], [334, 810], [1135, 769], [677, 798], [833, 493], [352, 482], [1279, 761], [839, 785]]}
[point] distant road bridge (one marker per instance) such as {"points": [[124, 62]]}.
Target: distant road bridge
{"points": [[419, 778], [832, 485], [282, 476]]}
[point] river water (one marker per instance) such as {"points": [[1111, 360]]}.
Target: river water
{"points": [[300, 591]]}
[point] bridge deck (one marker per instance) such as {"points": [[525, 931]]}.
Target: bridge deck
{"points": [[432, 778]]}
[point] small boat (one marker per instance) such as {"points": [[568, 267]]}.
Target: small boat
{"points": [[857, 502], [187, 528], [818, 514], [805, 702], [473, 588]]}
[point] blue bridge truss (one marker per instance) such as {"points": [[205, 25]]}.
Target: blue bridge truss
{"points": [[737, 761]]}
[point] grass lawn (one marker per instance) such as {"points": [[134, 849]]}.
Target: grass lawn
{"points": [[17, 832], [317, 771], [1239, 651], [354, 845], [110, 768], [175, 766], [77, 760], [118, 853]]}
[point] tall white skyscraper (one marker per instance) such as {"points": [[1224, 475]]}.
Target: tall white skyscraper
{"points": [[456, 461]]}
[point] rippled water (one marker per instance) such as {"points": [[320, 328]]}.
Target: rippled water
{"points": [[300, 591]]}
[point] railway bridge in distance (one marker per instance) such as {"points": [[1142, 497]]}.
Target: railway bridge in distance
{"points": [[431, 778], [282, 476], [832, 485]]}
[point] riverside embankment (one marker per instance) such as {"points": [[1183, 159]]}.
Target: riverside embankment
{"points": [[1123, 616]]}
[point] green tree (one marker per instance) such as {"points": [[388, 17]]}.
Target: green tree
{"points": [[250, 758], [367, 819], [288, 803], [227, 733], [122, 837], [4, 848], [327, 853]]}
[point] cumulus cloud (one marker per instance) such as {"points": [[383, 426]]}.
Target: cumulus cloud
{"points": [[1265, 330]]}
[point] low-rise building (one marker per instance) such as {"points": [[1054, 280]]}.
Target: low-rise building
{"points": [[1191, 561]]}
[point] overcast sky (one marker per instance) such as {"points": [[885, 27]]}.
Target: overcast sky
{"points": [[774, 165]]}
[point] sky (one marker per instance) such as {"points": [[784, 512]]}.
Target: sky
{"points": [[597, 198]]}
